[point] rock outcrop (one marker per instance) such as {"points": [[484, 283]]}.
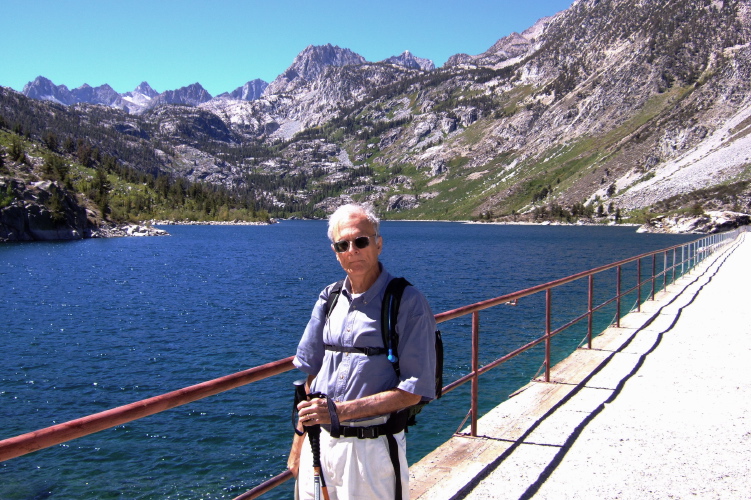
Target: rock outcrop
{"points": [[706, 223], [128, 230], [41, 211]]}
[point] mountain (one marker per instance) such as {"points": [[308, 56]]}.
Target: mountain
{"points": [[43, 89], [311, 63], [103, 94], [307, 66], [250, 91], [505, 51], [610, 108], [140, 98], [192, 95], [409, 61]]}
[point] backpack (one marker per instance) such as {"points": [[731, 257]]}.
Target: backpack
{"points": [[389, 312]]}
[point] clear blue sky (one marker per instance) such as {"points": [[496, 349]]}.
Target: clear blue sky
{"points": [[224, 43]]}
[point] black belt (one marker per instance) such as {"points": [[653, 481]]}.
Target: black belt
{"points": [[369, 432]]}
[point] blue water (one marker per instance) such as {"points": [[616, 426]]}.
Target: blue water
{"points": [[94, 324]]}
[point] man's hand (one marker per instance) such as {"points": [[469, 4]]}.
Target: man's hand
{"points": [[314, 412]]}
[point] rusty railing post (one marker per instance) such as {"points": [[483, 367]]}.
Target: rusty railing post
{"points": [[618, 297], [475, 367], [683, 258], [674, 265], [590, 301], [654, 270], [548, 307], [638, 285], [694, 247]]}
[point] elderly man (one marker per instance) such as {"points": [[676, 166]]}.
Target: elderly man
{"points": [[361, 390]]}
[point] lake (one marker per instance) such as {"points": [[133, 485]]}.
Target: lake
{"points": [[94, 324]]}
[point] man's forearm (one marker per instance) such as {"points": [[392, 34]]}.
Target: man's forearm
{"points": [[316, 410], [377, 404], [293, 461]]}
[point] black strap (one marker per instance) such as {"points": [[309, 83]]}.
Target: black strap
{"points": [[368, 351], [335, 429], [333, 297], [394, 454], [392, 297]]}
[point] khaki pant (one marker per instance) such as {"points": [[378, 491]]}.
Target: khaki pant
{"points": [[354, 468]]}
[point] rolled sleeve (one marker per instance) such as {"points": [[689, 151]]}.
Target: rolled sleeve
{"points": [[310, 350], [416, 328]]}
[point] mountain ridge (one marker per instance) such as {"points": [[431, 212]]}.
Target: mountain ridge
{"points": [[307, 65]]}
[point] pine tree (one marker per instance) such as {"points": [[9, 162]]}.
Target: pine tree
{"points": [[17, 152], [56, 208], [102, 187]]}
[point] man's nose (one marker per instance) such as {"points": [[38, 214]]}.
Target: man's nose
{"points": [[352, 247]]}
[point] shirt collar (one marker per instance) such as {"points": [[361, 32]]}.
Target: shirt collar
{"points": [[375, 289]]}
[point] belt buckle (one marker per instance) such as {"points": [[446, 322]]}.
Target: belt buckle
{"points": [[370, 432]]}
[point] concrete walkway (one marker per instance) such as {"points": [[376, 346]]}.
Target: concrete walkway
{"points": [[659, 408]]}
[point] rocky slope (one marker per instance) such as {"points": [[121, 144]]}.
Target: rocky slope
{"points": [[41, 211]]}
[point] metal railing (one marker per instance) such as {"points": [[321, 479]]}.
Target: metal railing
{"points": [[673, 265]]}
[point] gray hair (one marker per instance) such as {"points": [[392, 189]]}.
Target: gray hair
{"points": [[346, 211]]}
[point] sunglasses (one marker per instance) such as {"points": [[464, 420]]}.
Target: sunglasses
{"points": [[359, 242]]}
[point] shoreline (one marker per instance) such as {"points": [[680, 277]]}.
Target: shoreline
{"points": [[155, 222], [711, 222]]}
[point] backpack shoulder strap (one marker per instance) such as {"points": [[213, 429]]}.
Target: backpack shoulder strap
{"points": [[389, 312], [332, 298]]}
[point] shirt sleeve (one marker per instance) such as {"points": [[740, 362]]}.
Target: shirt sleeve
{"points": [[310, 350], [416, 328]]}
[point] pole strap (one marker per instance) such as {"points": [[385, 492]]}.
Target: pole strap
{"points": [[335, 427]]}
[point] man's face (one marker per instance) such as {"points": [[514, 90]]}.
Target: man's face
{"points": [[358, 262]]}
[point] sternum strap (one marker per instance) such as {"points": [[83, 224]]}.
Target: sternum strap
{"points": [[368, 351]]}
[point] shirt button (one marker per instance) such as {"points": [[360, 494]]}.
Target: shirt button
{"points": [[341, 377]]}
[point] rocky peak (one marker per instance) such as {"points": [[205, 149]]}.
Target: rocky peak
{"points": [[140, 98], [145, 89], [44, 90], [310, 63], [506, 49], [409, 61], [250, 91], [104, 95], [192, 95]]}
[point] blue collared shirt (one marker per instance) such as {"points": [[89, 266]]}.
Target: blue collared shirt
{"points": [[356, 321]]}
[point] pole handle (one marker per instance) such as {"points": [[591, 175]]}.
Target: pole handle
{"points": [[300, 396]]}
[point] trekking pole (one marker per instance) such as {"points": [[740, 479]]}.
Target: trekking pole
{"points": [[314, 435]]}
